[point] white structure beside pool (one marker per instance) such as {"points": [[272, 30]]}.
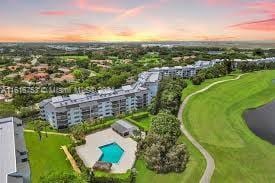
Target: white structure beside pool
{"points": [[124, 128], [90, 152]]}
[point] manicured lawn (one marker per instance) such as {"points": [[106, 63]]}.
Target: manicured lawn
{"points": [[146, 122], [215, 120], [46, 155], [30, 125], [192, 173], [123, 177], [78, 57], [150, 58], [192, 88], [143, 122]]}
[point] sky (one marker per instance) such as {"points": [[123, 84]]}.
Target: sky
{"points": [[136, 20]]}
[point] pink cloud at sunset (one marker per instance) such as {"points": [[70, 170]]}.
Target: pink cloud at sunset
{"points": [[137, 20], [262, 25], [265, 9], [220, 2], [57, 13], [96, 7]]}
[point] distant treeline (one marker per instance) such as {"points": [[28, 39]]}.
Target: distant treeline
{"points": [[254, 66]]}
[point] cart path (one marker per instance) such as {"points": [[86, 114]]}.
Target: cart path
{"points": [[210, 163]]}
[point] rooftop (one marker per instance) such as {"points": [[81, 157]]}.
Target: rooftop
{"points": [[61, 101], [123, 126], [144, 77], [7, 146]]}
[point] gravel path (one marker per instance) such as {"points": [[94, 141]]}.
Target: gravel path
{"points": [[210, 163]]}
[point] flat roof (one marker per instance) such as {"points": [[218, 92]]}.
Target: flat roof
{"points": [[123, 126], [61, 101], [7, 146]]}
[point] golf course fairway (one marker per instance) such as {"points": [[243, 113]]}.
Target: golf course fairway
{"points": [[215, 119]]}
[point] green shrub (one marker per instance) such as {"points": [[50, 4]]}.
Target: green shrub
{"points": [[103, 177], [79, 131]]}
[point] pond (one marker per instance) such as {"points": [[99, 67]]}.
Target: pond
{"points": [[261, 121]]}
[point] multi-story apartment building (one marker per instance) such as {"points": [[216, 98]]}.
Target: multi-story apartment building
{"points": [[185, 71], [64, 111], [236, 62], [14, 165]]}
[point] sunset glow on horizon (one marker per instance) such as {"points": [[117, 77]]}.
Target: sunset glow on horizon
{"points": [[136, 20]]}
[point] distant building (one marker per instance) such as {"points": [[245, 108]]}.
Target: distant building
{"points": [[41, 68], [2, 98], [64, 78], [102, 63], [185, 71], [14, 165], [17, 59], [13, 67], [64, 70], [12, 75], [36, 76], [236, 62], [215, 52]]}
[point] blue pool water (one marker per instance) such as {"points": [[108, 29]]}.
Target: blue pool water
{"points": [[111, 153]]}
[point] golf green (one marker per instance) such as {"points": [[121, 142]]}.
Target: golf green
{"points": [[215, 119]]}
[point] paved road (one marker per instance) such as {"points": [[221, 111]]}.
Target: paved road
{"points": [[210, 163]]}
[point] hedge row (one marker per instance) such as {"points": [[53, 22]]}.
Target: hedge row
{"points": [[136, 123], [89, 129], [99, 127], [140, 115], [78, 160], [103, 177]]}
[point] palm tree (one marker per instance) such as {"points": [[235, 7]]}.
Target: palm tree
{"points": [[39, 126]]}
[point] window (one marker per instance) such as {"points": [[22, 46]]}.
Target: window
{"points": [[24, 160], [23, 153]]}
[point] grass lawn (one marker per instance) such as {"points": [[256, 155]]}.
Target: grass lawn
{"points": [[215, 120], [46, 155], [143, 122], [150, 58], [77, 57], [122, 177], [192, 88], [146, 122], [31, 126], [192, 173]]}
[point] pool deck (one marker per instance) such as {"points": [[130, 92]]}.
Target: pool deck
{"points": [[90, 152]]}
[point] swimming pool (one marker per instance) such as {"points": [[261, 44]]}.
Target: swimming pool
{"points": [[111, 153]]}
